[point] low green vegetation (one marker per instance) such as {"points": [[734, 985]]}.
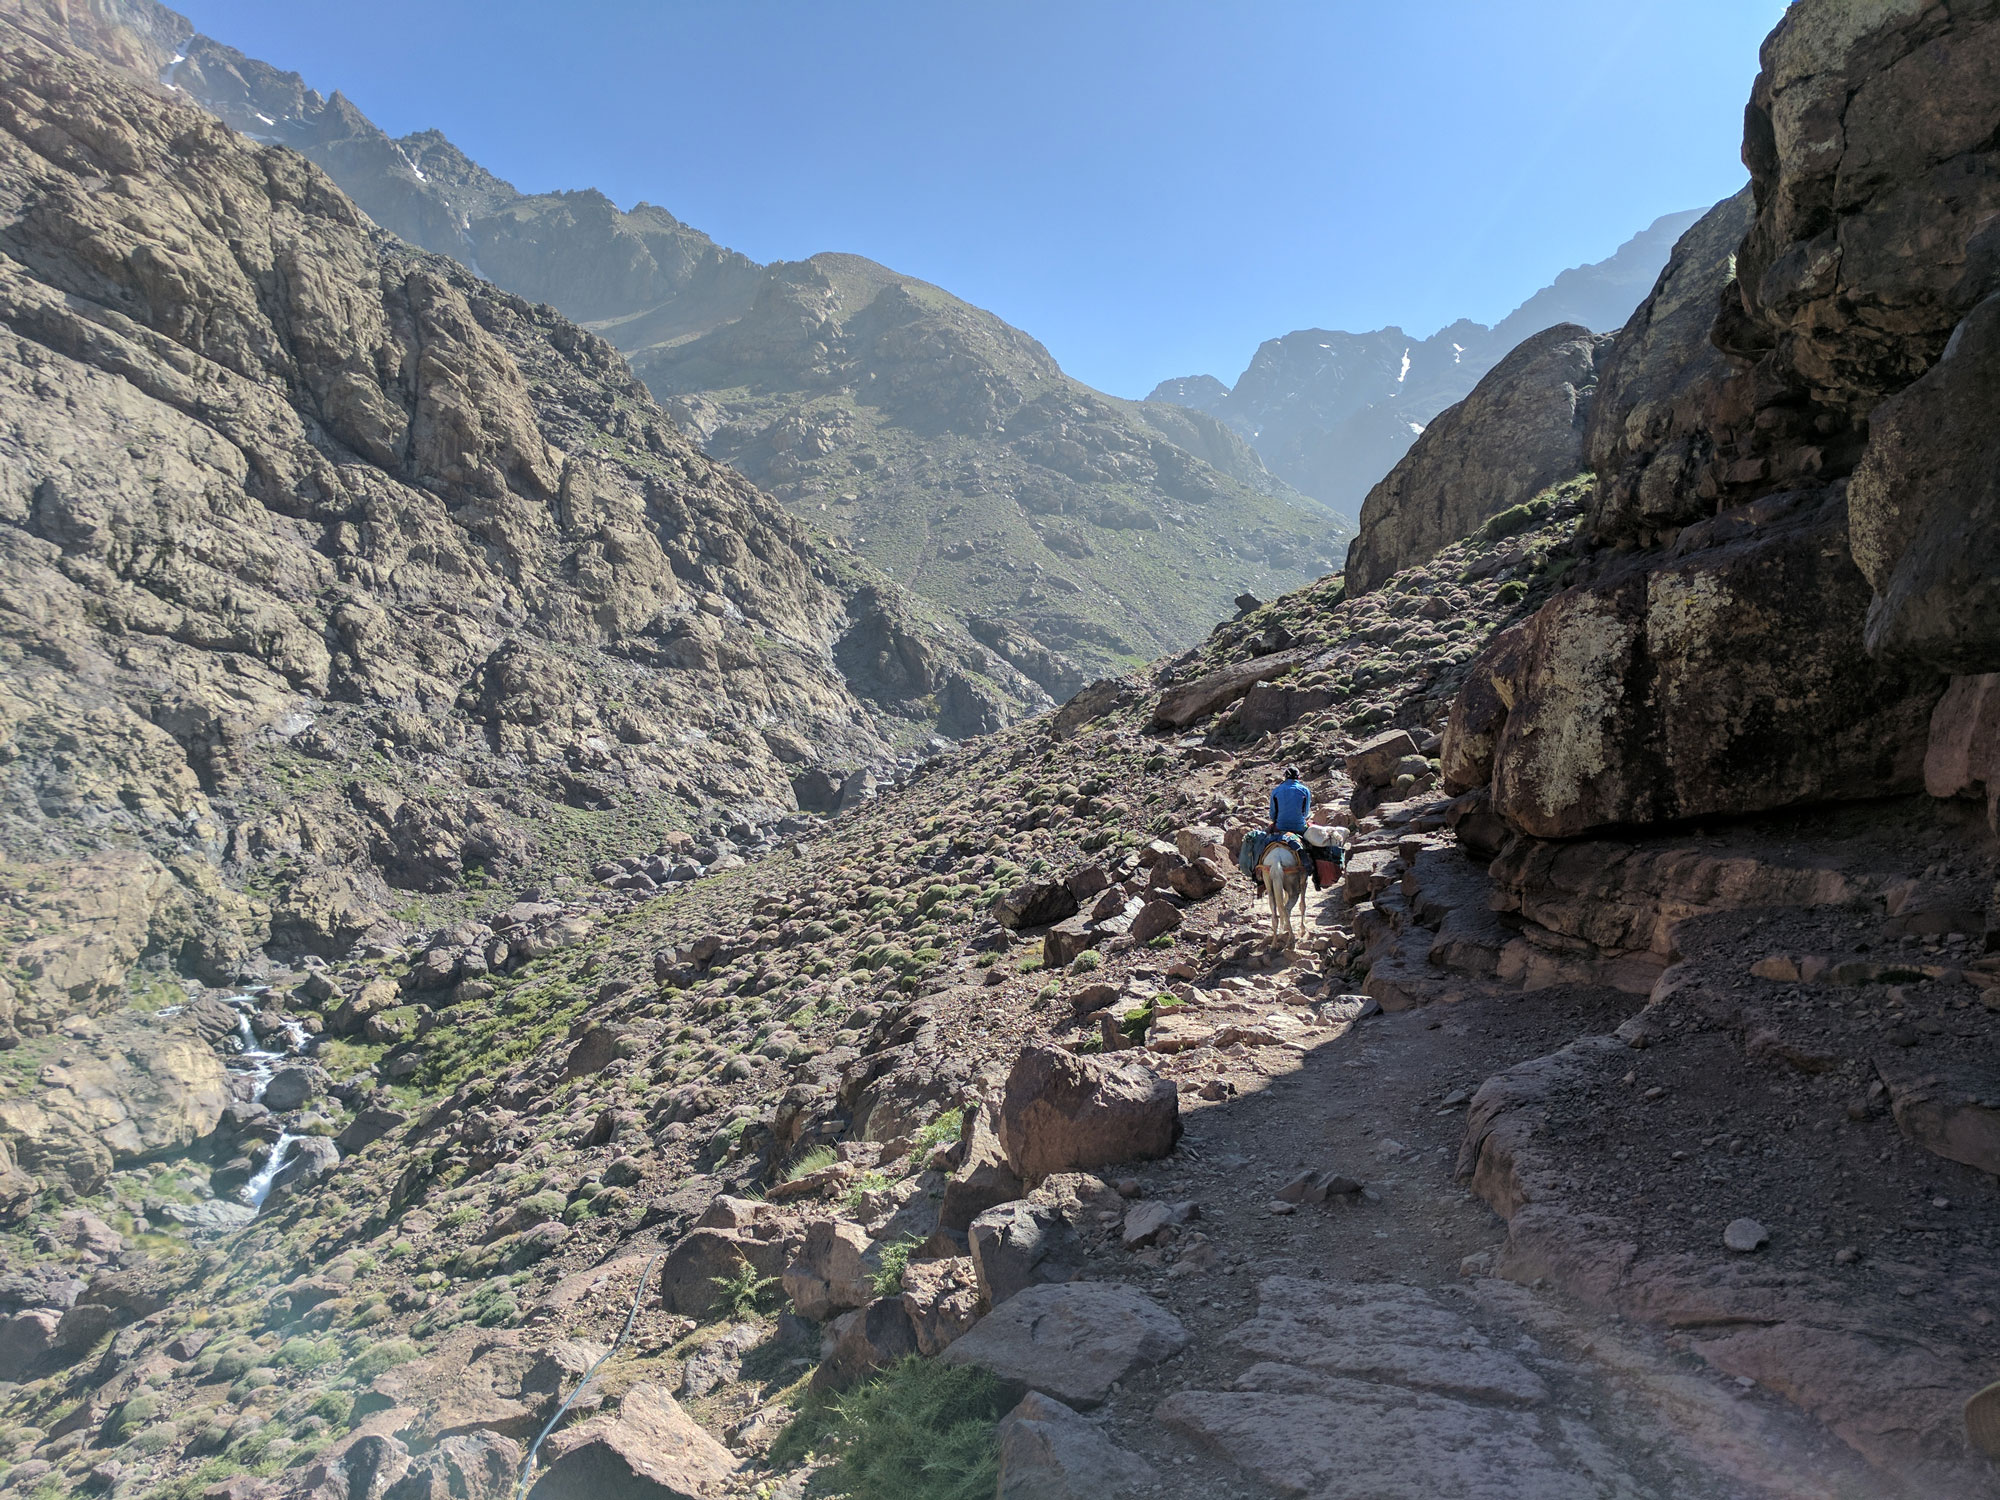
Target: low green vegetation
{"points": [[887, 1277], [816, 1160], [743, 1293], [918, 1431]]}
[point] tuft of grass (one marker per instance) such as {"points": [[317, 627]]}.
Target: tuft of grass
{"points": [[918, 1431], [815, 1160], [946, 1127], [1086, 961]]}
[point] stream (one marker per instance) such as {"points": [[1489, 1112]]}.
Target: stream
{"points": [[257, 1062]]}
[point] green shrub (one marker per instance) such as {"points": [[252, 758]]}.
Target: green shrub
{"points": [[376, 1358], [920, 1431], [946, 1127], [1086, 961], [887, 1277], [1511, 592], [307, 1354], [743, 1293], [1516, 518]]}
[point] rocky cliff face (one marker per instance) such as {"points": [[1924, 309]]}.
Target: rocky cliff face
{"points": [[332, 571], [1756, 459], [1332, 413], [1518, 432]]}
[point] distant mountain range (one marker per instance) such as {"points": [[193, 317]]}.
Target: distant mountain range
{"points": [[1331, 413], [1073, 533]]}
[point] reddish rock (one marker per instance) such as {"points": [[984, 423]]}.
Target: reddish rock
{"points": [[649, 1450], [1182, 706], [1063, 1113]]}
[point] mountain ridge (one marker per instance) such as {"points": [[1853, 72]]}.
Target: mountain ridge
{"points": [[1331, 412]]}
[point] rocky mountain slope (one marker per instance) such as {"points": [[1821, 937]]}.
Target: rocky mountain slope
{"points": [[1070, 531], [1621, 1123], [336, 578], [1332, 412]]}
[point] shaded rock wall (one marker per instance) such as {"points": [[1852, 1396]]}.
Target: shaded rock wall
{"points": [[1777, 632]]}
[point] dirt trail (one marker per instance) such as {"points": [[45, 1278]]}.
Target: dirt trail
{"points": [[1338, 1350]]}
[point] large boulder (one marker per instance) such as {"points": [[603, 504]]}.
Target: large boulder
{"points": [[1035, 904], [1728, 679], [865, 1340], [1517, 433], [983, 1179], [1062, 1112], [690, 1276], [1019, 1245], [648, 1450], [1182, 706], [1072, 1341], [1049, 1452], [1963, 757], [1095, 701], [1373, 761], [941, 1298], [471, 1466], [830, 1272]]}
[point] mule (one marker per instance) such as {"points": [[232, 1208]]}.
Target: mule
{"points": [[1283, 875]]}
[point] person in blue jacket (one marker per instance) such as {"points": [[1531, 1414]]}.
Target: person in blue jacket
{"points": [[1291, 803]]}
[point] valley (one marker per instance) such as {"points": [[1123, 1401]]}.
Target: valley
{"points": [[542, 963]]}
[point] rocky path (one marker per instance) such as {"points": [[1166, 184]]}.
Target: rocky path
{"points": [[1355, 1347]]}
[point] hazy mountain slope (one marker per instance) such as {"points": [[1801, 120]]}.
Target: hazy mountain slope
{"points": [[952, 450], [980, 475], [1332, 412]]}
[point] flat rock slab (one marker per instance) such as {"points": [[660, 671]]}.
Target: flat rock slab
{"points": [[1334, 1439], [1383, 1331], [1072, 1341], [650, 1450]]}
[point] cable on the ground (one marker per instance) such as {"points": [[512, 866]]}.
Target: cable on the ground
{"points": [[528, 1463]]}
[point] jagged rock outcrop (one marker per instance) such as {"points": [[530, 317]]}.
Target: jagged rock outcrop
{"points": [[1663, 391], [1755, 686], [1518, 432], [1925, 508], [323, 559], [1728, 678]]}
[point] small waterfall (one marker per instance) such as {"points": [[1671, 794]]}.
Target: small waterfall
{"points": [[257, 1060], [258, 1188]]}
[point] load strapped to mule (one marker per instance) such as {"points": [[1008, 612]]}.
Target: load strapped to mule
{"points": [[1321, 850]]}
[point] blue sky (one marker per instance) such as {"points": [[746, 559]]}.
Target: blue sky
{"points": [[1149, 188]]}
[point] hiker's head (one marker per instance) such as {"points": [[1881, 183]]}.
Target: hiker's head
{"points": [[1291, 773]]}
